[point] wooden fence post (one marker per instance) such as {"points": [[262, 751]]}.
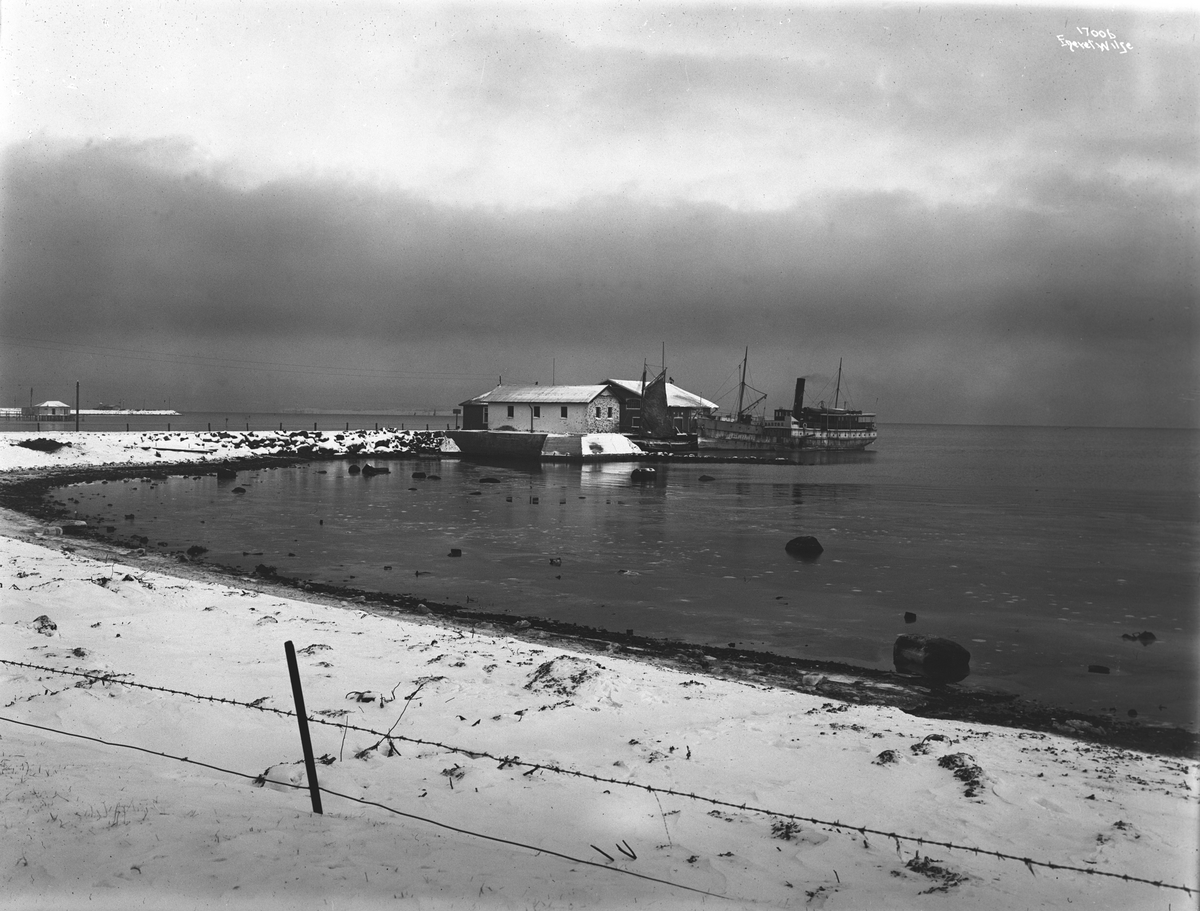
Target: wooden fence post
{"points": [[298, 696]]}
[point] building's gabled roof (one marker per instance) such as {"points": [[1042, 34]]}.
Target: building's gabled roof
{"points": [[676, 397], [53, 404], [538, 395]]}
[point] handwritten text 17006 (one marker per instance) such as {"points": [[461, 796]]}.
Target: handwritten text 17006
{"points": [[1094, 39]]}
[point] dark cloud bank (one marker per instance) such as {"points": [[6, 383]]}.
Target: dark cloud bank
{"points": [[1079, 310]]}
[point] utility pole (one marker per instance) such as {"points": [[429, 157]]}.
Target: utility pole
{"points": [[77, 406]]}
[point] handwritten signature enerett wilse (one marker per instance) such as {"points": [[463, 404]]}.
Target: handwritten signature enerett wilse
{"points": [[1100, 39]]}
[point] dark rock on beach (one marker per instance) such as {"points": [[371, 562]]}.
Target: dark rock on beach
{"points": [[938, 660], [41, 444], [45, 625]]}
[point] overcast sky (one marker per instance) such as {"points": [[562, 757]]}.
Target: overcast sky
{"points": [[262, 206]]}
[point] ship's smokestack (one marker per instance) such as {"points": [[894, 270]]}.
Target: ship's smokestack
{"points": [[799, 402]]}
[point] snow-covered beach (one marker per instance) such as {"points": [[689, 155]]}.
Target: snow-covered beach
{"points": [[464, 767]]}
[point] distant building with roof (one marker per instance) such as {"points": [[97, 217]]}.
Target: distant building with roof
{"points": [[52, 408], [544, 409], [614, 406]]}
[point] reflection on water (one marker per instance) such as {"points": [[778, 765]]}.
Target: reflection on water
{"points": [[1039, 567]]}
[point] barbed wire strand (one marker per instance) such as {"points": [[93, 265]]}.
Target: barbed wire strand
{"points": [[506, 761], [371, 803]]}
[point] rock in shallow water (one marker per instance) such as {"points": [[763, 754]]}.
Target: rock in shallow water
{"points": [[804, 546], [1145, 637]]}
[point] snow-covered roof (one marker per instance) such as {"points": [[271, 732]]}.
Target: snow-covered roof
{"points": [[53, 404], [538, 395], [676, 397]]}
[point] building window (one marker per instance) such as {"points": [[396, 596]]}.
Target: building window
{"points": [[537, 411], [610, 411], [563, 411], [510, 411], [597, 411]]}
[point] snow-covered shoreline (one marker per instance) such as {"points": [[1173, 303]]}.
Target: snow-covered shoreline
{"points": [[86, 449], [581, 754]]}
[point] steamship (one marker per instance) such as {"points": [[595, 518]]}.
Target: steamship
{"points": [[818, 427]]}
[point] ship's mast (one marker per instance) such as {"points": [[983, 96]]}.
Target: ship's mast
{"points": [[742, 384], [838, 388]]}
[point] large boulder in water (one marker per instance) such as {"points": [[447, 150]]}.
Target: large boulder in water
{"points": [[938, 660], [804, 546]]}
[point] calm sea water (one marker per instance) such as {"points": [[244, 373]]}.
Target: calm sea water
{"points": [[1036, 548]]}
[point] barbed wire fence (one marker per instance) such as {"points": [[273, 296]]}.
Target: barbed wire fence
{"points": [[115, 678], [262, 779]]}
